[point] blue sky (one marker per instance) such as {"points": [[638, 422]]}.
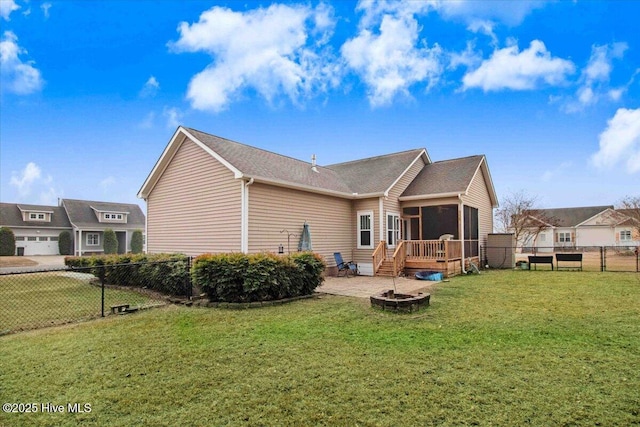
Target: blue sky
{"points": [[92, 91]]}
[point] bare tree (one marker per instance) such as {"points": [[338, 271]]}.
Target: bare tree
{"points": [[630, 206], [518, 215]]}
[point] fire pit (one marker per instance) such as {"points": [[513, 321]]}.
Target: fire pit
{"points": [[389, 300]]}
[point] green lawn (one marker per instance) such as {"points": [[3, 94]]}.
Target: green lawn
{"points": [[43, 299], [502, 348]]}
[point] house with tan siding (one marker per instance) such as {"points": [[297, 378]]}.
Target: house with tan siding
{"points": [[389, 213]]}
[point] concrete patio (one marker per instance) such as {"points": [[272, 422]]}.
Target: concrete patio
{"points": [[365, 286]]}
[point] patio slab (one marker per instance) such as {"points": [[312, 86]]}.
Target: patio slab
{"points": [[365, 286]]}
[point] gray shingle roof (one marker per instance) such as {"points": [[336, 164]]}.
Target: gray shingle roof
{"points": [[443, 177], [570, 217], [81, 213], [10, 215], [372, 175]]}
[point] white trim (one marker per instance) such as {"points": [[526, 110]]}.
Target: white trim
{"points": [[371, 229], [381, 218], [407, 169], [430, 196], [244, 215], [398, 235]]}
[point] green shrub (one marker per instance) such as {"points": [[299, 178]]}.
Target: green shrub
{"points": [[64, 243], [110, 242], [165, 273], [136, 242], [7, 242], [238, 277]]}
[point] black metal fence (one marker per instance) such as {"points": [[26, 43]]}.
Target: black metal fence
{"points": [[591, 258], [36, 299]]}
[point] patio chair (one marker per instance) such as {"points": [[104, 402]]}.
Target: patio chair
{"points": [[346, 267]]}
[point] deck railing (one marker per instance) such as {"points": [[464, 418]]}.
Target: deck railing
{"points": [[399, 257], [379, 255], [440, 250]]}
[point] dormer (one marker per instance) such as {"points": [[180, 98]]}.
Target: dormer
{"points": [[35, 215], [110, 216]]}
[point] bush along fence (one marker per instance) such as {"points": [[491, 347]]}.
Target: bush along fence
{"points": [[584, 258], [99, 286]]}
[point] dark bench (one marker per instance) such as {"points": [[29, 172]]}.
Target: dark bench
{"points": [[572, 258], [538, 259]]}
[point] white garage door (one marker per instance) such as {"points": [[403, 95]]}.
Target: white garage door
{"points": [[37, 245]]}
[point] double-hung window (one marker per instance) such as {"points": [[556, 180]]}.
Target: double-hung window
{"points": [[393, 229], [93, 239], [365, 230], [625, 235]]}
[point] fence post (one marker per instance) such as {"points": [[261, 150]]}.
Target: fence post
{"points": [[602, 258], [188, 279], [102, 291]]}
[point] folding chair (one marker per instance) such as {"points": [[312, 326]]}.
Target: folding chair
{"points": [[346, 267]]}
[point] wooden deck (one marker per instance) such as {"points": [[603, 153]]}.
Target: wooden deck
{"points": [[411, 256]]}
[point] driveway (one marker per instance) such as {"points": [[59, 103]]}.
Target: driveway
{"points": [[44, 262], [365, 286]]}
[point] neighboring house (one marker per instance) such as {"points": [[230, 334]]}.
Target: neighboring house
{"points": [[209, 194], [89, 219], [36, 228], [584, 226]]}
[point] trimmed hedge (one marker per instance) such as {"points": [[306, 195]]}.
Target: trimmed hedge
{"points": [[165, 273], [236, 277], [7, 242]]}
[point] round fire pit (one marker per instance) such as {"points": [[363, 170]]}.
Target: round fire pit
{"points": [[400, 302]]}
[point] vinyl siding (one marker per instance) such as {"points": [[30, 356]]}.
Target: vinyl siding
{"points": [[478, 197], [273, 209], [194, 207], [392, 204], [373, 204]]}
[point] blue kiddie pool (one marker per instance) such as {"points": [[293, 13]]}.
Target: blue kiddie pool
{"points": [[429, 275]]}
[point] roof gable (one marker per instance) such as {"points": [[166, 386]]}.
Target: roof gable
{"points": [[572, 217], [83, 213], [450, 178], [11, 215]]}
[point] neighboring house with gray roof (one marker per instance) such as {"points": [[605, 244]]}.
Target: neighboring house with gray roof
{"points": [[583, 227], [37, 227], [210, 194]]}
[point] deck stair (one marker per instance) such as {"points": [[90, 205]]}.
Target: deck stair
{"points": [[386, 269]]}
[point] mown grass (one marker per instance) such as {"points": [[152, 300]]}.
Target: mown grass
{"points": [[50, 298], [502, 348]]}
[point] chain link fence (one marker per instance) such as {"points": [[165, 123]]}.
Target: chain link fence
{"points": [[591, 258], [36, 299]]}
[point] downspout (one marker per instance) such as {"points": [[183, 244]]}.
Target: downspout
{"points": [[461, 232], [244, 221]]}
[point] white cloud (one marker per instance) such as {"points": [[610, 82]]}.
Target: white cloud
{"points": [[17, 76], [24, 179], [385, 53], [45, 9], [508, 12], [508, 68], [173, 116], [6, 7], [278, 50], [594, 79], [150, 88], [620, 142]]}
